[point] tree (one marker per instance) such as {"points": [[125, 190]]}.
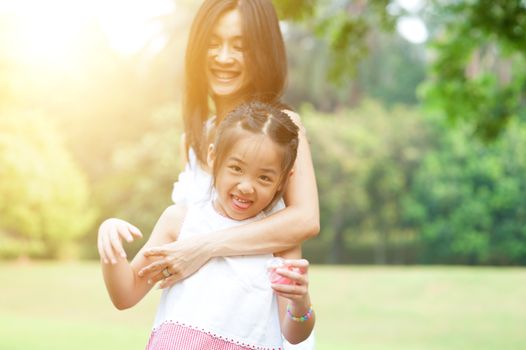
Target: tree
{"points": [[479, 73], [44, 198], [468, 201], [365, 160], [139, 177]]}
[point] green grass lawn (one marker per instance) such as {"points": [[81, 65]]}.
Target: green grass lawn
{"points": [[64, 306]]}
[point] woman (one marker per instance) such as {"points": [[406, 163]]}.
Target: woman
{"points": [[235, 53]]}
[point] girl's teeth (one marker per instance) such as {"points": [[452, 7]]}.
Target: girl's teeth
{"points": [[241, 200]]}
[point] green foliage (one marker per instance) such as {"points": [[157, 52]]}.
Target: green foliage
{"points": [[468, 199], [44, 198], [479, 73], [295, 9], [364, 160], [138, 181], [343, 25], [391, 73]]}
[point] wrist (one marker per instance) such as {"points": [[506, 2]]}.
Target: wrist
{"points": [[299, 317], [299, 307], [208, 247]]}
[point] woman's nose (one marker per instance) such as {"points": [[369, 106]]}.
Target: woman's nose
{"points": [[224, 55]]}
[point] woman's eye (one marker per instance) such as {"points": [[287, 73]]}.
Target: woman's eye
{"points": [[235, 168], [238, 45]]}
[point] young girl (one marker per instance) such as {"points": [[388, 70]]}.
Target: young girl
{"points": [[229, 303]]}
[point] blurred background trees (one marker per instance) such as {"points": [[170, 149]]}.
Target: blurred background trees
{"points": [[414, 111]]}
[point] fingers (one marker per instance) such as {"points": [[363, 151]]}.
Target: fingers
{"points": [[295, 271], [155, 278], [301, 264], [154, 268], [108, 251], [157, 251], [168, 282], [293, 292], [102, 253], [116, 244], [109, 241], [134, 230], [294, 275]]}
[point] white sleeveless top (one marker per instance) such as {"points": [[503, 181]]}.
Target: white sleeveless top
{"points": [[194, 185], [227, 304]]}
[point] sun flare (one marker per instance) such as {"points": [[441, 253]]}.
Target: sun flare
{"points": [[51, 32]]}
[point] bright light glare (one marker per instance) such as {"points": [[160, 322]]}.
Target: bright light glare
{"points": [[48, 32], [413, 29], [130, 24], [43, 30]]}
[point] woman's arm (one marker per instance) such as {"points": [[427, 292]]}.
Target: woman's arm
{"points": [[120, 276], [280, 231]]}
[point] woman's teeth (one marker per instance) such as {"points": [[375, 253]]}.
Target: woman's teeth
{"points": [[225, 75]]}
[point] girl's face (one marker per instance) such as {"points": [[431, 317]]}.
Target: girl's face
{"points": [[226, 71], [249, 177]]}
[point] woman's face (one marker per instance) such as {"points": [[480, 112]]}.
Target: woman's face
{"points": [[226, 71]]}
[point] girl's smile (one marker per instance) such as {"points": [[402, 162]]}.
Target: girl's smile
{"points": [[249, 177]]}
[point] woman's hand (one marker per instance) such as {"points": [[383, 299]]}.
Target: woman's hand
{"points": [[109, 242], [180, 258], [294, 282]]}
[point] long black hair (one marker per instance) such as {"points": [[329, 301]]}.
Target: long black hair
{"points": [[265, 58]]}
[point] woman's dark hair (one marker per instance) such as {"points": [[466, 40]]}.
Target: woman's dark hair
{"points": [[264, 54], [260, 119]]}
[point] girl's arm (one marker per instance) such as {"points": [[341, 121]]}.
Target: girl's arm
{"points": [[280, 231], [120, 276], [296, 297]]}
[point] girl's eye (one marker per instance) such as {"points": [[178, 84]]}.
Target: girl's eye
{"points": [[265, 178], [235, 168]]}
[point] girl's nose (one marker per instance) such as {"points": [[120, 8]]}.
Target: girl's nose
{"points": [[245, 187]]}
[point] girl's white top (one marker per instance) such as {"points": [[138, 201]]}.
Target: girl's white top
{"points": [[228, 301], [194, 185]]}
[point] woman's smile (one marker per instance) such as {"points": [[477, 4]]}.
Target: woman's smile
{"points": [[224, 74]]}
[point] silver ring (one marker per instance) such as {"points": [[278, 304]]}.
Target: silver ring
{"points": [[166, 273]]}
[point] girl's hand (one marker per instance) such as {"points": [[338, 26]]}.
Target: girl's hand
{"points": [[294, 280], [181, 259], [109, 241]]}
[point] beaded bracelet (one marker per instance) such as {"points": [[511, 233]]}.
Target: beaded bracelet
{"points": [[303, 318]]}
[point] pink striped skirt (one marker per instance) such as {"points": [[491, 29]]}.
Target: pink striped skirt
{"points": [[177, 336]]}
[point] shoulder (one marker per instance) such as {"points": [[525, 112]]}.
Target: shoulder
{"points": [[172, 218]]}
